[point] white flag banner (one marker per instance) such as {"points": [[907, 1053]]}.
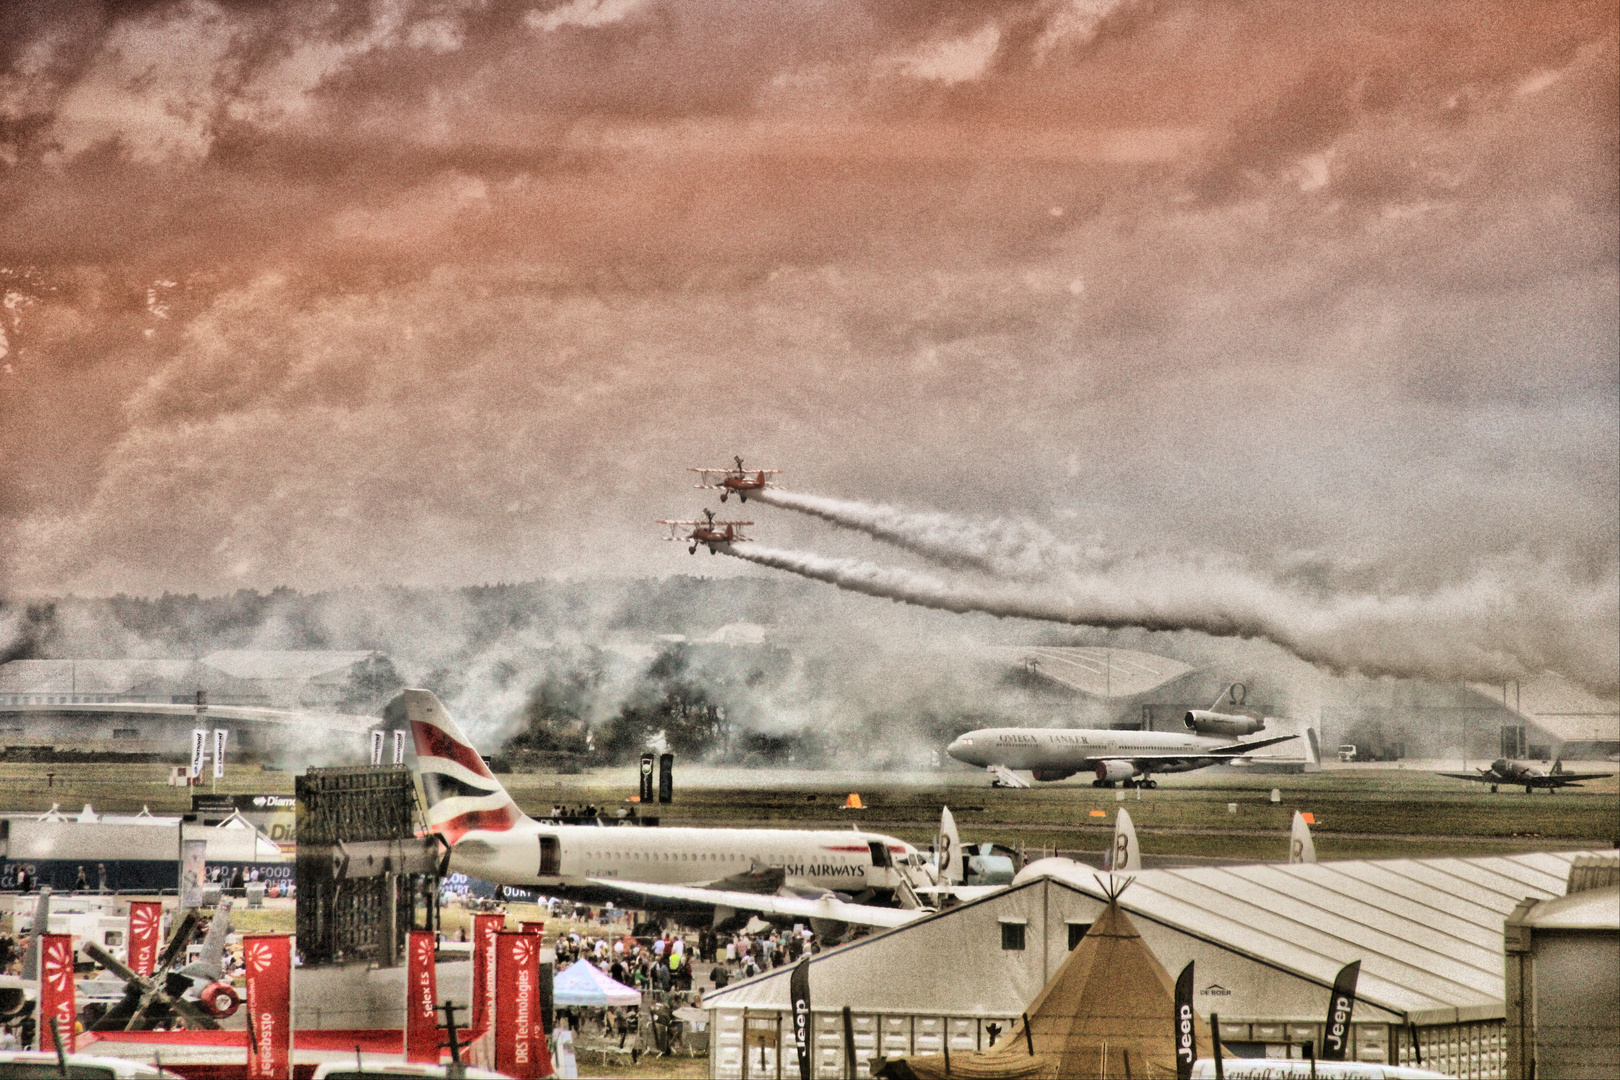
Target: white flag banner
{"points": [[376, 747], [219, 753], [399, 746], [199, 751]]}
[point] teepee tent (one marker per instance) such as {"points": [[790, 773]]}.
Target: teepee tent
{"points": [[1108, 1012]]}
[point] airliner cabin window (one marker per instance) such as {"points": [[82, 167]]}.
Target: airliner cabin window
{"points": [[550, 856]]}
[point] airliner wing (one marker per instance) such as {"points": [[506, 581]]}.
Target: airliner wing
{"points": [[1232, 750], [964, 893], [643, 896], [1484, 778]]}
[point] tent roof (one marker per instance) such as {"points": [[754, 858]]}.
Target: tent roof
{"points": [[1428, 933], [582, 983]]}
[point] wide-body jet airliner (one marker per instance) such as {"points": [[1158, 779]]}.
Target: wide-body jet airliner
{"points": [[1128, 757]]}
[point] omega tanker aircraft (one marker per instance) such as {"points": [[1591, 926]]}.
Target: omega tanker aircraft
{"points": [[825, 876], [1128, 757]]}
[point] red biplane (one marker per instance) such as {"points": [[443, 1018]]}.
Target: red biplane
{"points": [[707, 531], [738, 479]]}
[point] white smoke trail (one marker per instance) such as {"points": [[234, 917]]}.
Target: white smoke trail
{"points": [[1005, 547], [1486, 630]]}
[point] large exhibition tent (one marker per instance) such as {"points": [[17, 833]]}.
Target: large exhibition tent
{"points": [[1267, 941], [1109, 1011]]}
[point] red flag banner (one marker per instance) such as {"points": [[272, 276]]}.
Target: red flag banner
{"points": [[56, 998], [520, 1044], [145, 935], [421, 999], [483, 967], [268, 960], [538, 929]]}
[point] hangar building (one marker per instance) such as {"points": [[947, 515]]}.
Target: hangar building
{"points": [[1268, 940], [147, 706]]}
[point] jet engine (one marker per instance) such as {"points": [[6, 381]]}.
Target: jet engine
{"points": [[1048, 775], [1111, 772], [1214, 723]]}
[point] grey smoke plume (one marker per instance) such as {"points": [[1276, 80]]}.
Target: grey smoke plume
{"points": [[1499, 625], [1007, 547]]}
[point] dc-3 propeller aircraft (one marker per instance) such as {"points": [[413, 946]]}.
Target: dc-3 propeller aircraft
{"points": [[736, 480], [830, 878], [1515, 773], [1128, 757], [706, 532]]}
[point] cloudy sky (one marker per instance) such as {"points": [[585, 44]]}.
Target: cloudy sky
{"points": [[442, 291]]}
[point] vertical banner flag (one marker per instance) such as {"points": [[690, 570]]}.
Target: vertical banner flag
{"points": [[646, 793], [666, 777], [1186, 1025], [376, 747], [421, 999], [538, 929], [799, 994], [520, 1043], [145, 932], [399, 746], [219, 753], [268, 961], [56, 989], [193, 872], [483, 968], [199, 750], [1336, 1033]]}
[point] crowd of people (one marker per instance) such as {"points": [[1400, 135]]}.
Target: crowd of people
{"points": [[673, 971]]}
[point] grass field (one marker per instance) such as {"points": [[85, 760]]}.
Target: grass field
{"points": [[1360, 812]]}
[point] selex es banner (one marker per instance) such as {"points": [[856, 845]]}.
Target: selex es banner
{"points": [[483, 968], [1336, 1033], [56, 990], [520, 1040], [268, 960], [145, 935], [421, 999]]}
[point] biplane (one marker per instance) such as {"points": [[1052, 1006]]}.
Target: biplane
{"points": [[708, 531], [737, 479]]}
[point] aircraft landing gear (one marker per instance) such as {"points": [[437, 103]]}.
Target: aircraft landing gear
{"points": [[1149, 784], [1529, 790], [1493, 789]]}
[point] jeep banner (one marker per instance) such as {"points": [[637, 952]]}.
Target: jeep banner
{"points": [[1186, 1032], [799, 995], [1336, 1033]]}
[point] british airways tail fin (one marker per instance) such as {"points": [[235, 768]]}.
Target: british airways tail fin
{"points": [[461, 794]]}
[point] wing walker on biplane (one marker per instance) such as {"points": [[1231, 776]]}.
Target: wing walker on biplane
{"points": [[736, 480], [714, 534]]}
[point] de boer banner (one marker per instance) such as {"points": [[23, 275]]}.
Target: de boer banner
{"points": [[421, 1000], [799, 993], [1336, 1035], [145, 932], [483, 967], [520, 1043], [268, 960], [56, 989]]}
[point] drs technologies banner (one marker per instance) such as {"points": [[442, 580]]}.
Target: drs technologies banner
{"points": [[520, 1043]]}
